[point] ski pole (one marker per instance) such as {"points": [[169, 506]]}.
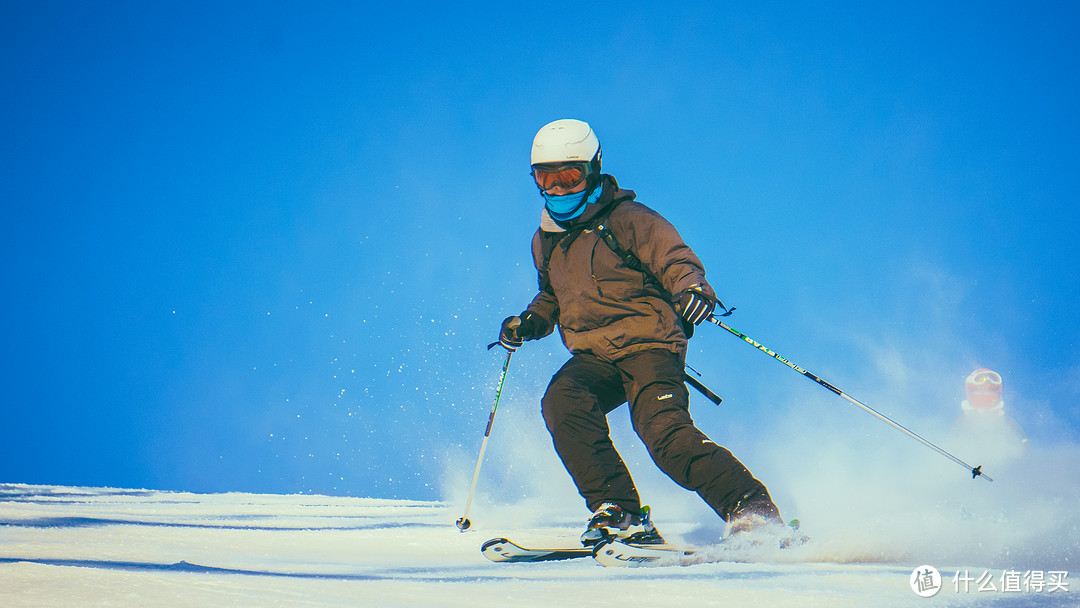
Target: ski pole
{"points": [[975, 471], [463, 522]]}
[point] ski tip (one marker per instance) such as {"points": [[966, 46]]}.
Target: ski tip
{"points": [[495, 541]]}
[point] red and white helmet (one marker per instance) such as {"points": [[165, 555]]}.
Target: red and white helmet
{"points": [[984, 391]]}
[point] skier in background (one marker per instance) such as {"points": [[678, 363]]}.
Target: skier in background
{"points": [[625, 292], [983, 426]]}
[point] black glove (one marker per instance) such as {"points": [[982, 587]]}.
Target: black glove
{"points": [[515, 330], [508, 337], [532, 326], [695, 305]]}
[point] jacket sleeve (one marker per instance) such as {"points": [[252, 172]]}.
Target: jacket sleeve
{"points": [[661, 249], [544, 303]]}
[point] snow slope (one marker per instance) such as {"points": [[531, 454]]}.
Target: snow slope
{"points": [[67, 546]]}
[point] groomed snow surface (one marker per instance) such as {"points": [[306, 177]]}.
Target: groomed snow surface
{"points": [[69, 546]]}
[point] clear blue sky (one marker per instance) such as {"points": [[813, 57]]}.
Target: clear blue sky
{"points": [[260, 246]]}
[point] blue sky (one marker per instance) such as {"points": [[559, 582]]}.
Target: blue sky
{"points": [[261, 247]]}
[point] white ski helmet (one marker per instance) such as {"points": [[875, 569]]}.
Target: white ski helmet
{"points": [[566, 141]]}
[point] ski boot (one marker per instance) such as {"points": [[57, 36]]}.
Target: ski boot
{"points": [[611, 521], [754, 512], [756, 521]]}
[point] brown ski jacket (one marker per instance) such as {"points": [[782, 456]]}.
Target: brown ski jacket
{"points": [[601, 304]]}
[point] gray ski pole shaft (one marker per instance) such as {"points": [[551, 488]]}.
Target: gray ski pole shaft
{"points": [[975, 471], [463, 522]]}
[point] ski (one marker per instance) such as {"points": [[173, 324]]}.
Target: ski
{"points": [[616, 553], [760, 546], [504, 550]]}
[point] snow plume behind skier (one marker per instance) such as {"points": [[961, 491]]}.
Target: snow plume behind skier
{"points": [[865, 495]]}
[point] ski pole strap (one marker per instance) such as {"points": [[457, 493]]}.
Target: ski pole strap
{"points": [[704, 390]]}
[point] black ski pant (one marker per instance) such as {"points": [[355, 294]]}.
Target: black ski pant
{"points": [[586, 389]]}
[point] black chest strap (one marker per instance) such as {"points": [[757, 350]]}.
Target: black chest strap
{"points": [[597, 224]]}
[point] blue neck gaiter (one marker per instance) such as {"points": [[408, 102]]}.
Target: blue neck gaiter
{"points": [[570, 206]]}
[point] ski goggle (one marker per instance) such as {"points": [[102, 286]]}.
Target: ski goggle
{"points": [[564, 175], [984, 388], [984, 378]]}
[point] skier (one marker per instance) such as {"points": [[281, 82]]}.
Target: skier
{"points": [[983, 426], [625, 292]]}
